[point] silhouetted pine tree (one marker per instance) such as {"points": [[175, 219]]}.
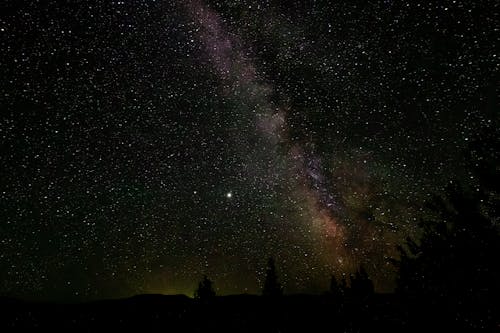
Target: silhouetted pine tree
{"points": [[454, 265], [336, 289], [205, 289], [361, 284], [271, 285], [343, 284]]}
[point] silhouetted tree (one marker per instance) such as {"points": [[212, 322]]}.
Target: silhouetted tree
{"points": [[361, 284], [271, 285], [454, 265], [337, 289], [334, 286], [343, 283], [483, 157], [205, 289]]}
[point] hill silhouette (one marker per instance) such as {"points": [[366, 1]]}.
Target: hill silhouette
{"points": [[179, 313]]}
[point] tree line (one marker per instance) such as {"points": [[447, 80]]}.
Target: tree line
{"points": [[453, 266]]}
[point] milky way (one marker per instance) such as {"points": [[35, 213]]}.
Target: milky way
{"points": [[294, 171], [297, 171], [147, 143]]}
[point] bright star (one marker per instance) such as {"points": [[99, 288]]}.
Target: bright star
{"points": [[229, 195]]}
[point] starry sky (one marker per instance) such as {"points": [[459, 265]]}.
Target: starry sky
{"points": [[145, 143]]}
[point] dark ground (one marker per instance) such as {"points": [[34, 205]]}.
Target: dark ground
{"points": [[243, 313]]}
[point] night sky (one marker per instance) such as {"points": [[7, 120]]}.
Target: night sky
{"points": [[146, 143]]}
